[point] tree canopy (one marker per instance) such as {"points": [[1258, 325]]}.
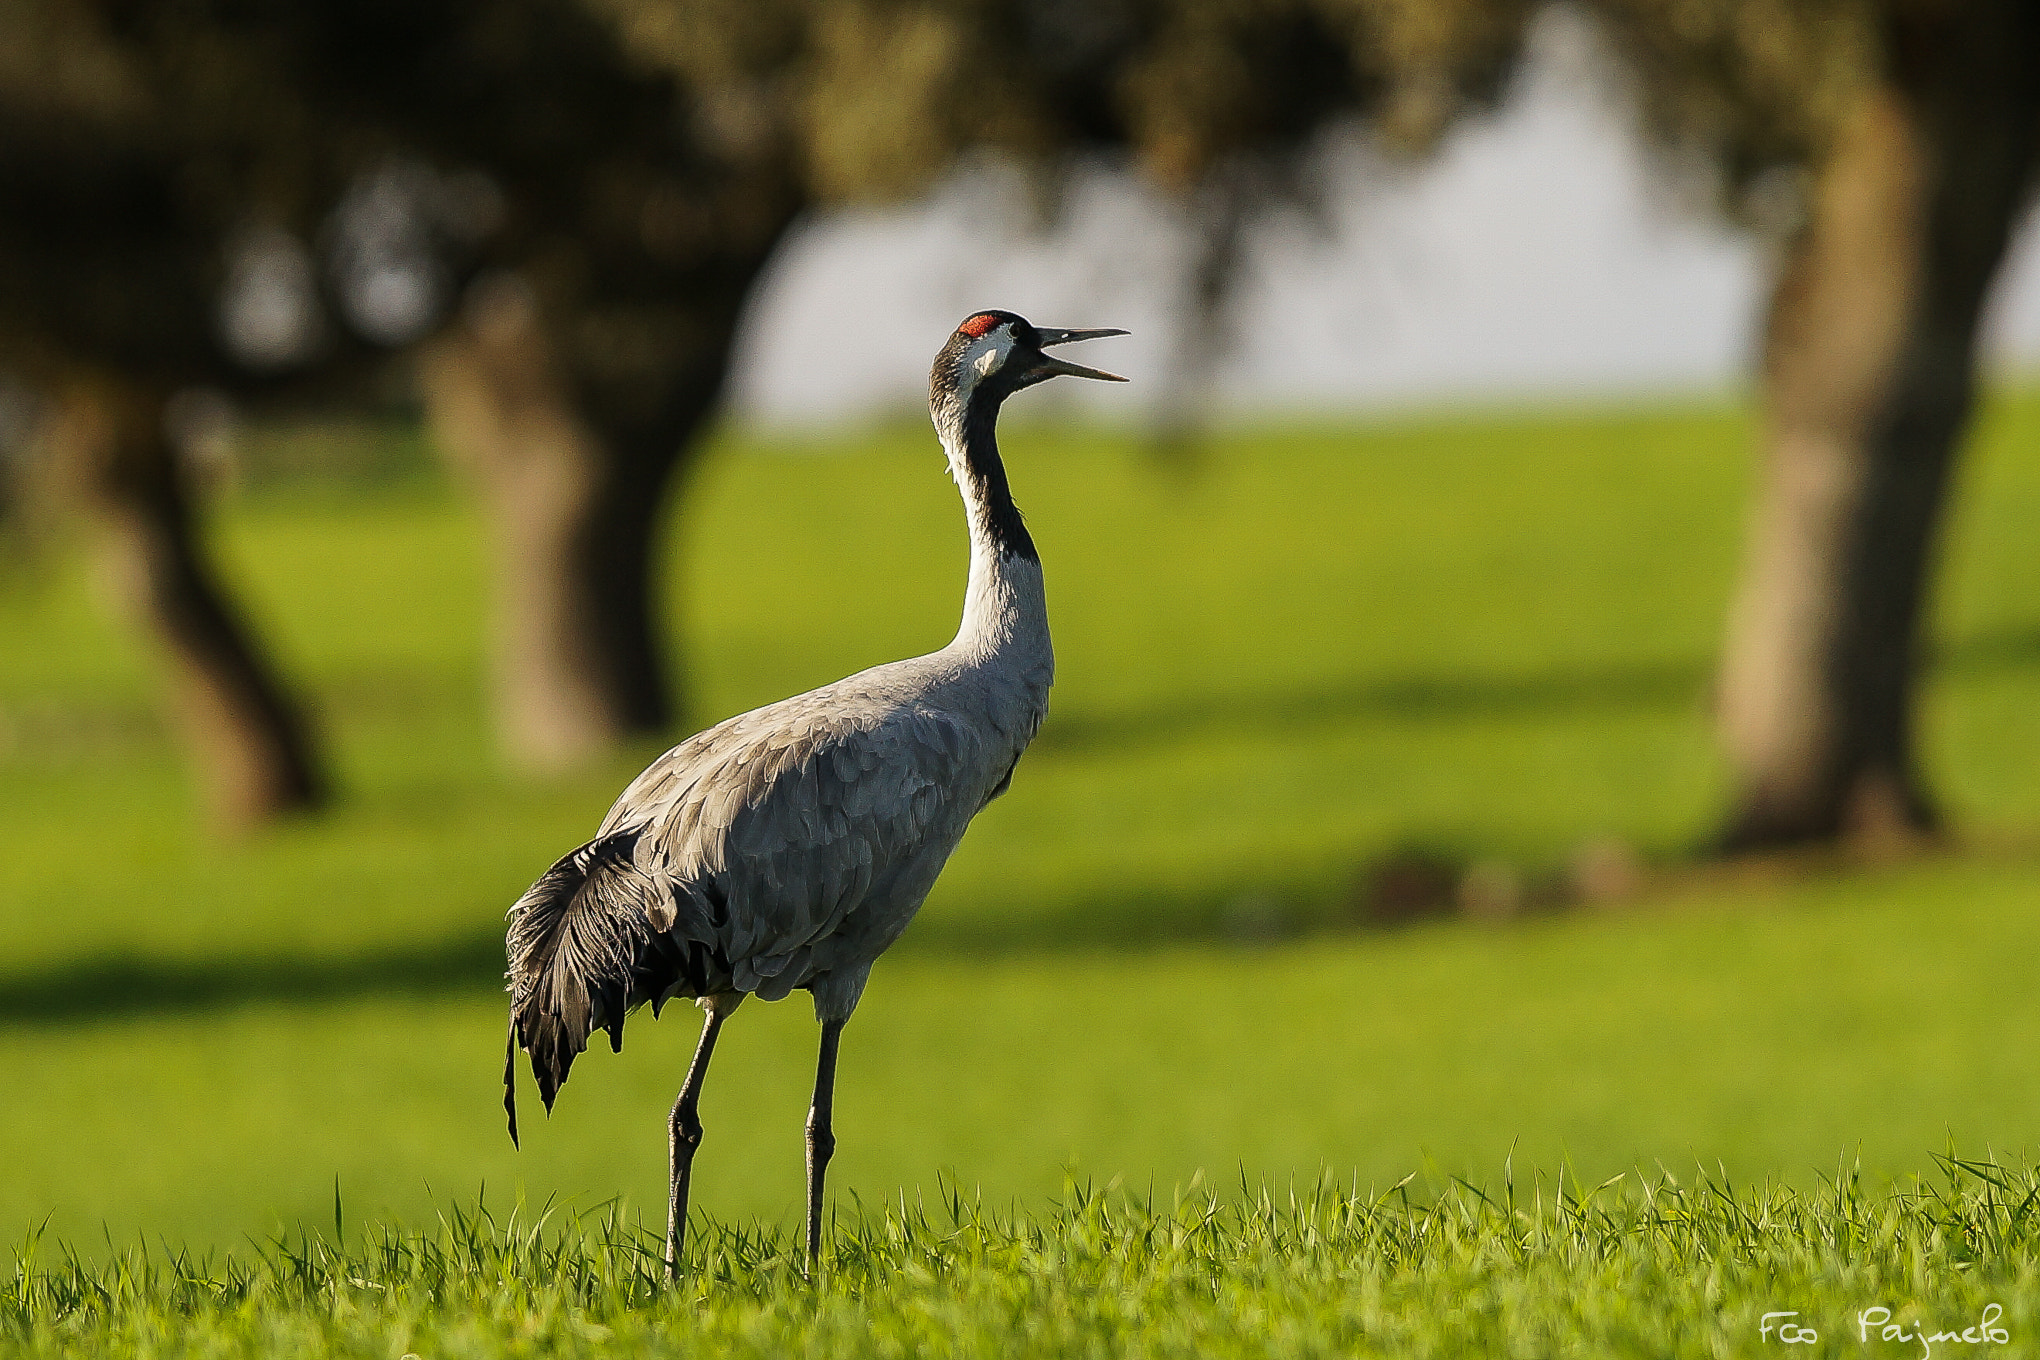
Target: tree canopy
{"points": [[883, 95]]}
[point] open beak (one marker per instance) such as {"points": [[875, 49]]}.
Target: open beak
{"points": [[1051, 367]]}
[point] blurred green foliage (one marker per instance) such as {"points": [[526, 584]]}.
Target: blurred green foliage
{"points": [[885, 94], [146, 146]]}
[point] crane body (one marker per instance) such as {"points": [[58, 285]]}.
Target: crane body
{"points": [[788, 847]]}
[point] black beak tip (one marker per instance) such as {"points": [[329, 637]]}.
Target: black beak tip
{"points": [[1061, 337]]}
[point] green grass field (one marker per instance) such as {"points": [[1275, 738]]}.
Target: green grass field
{"points": [[1487, 637], [1649, 1266]]}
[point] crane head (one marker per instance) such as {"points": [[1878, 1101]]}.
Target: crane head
{"points": [[994, 354]]}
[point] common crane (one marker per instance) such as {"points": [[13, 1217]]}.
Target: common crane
{"points": [[789, 846]]}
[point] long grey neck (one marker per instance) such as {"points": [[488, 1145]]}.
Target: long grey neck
{"points": [[1005, 612]]}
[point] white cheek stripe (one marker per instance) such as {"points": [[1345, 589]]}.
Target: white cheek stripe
{"points": [[986, 356]]}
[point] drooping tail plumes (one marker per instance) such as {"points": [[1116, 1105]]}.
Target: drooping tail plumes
{"points": [[596, 935], [578, 940]]}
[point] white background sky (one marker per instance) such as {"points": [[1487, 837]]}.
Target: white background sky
{"points": [[1540, 256]]}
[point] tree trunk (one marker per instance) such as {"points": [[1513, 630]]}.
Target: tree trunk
{"points": [[576, 492], [1869, 371], [254, 750]]}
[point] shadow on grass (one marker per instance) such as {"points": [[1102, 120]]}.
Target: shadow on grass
{"points": [[1417, 698], [1409, 699], [101, 989], [2007, 649], [122, 987]]}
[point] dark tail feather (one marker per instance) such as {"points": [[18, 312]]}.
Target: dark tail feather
{"points": [[577, 939], [510, 1079]]}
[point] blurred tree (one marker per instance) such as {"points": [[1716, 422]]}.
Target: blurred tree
{"points": [[1913, 124], [267, 198], [589, 350], [1869, 374], [106, 302]]}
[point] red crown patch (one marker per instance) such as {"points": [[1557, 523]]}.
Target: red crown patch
{"points": [[979, 324]]}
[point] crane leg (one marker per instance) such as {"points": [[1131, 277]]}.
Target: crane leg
{"points": [[821, 1138], [684, 1133]]}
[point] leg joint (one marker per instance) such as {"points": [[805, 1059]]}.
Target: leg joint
{"points": [[821, 1139]]}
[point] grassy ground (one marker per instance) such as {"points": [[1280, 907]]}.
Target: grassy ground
{"points": [[1646, 1266], [1492, 638]]}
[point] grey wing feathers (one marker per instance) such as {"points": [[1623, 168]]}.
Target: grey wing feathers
{"points": [[797, 818]]}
